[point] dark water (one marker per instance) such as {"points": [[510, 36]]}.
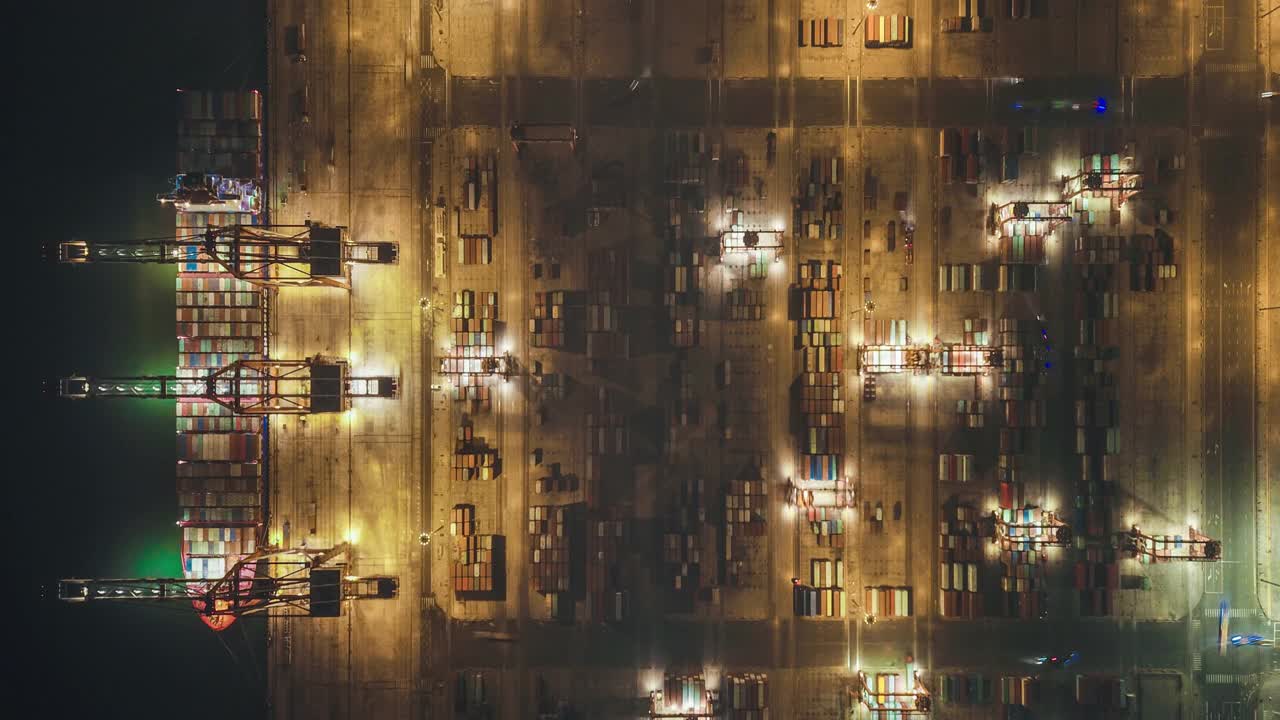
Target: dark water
{"points": [[91, 485]]}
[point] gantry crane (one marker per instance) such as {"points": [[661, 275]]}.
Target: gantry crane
{"points": [[748, 239], [1196, 547], [249, 387], [268, 255], [1043, 216], [1030, 526], [482, 365], [298, 581], [1120, 184], [915, 701], [947, 359]]}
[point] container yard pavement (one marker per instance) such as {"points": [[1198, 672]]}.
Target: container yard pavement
{"points": [[382, 473]]}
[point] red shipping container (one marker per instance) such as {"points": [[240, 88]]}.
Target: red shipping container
{"points": [[1113, 576]]}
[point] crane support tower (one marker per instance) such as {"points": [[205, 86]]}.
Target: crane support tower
{"points": [[267, 255], [1196, 547], [294, 581], [249, 387], [1032, 526], [915, 702]]}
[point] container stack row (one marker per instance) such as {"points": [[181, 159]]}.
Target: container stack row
{"points": [[960, 551], [971, 16], [473, 458], [608, 543], [547, 326], [744, 304], [686, 156], [819, 204], [608, 284], [606, 429], [887, 31], [955, 467], [1097, 434], [220, 133], [883, 331], [1151, 264], [821, 32], [682, 540], [682, 692], [685, 403], [965, 277], [960, 155], [477, 216], [827, 523], [887, 602], [971, 414], [966, 689], [681, 294], [1097, 576], [553, 534], [555, 482], [462, 520], [478, 565], [745, 517], [474, 250], [746, 696], [1019, 690], [808, 601], [474, 315]]}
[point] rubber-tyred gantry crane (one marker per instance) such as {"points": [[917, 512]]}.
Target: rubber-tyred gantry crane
{"points": [[1042, 216], [882, 701], [268, 255], [297, 581], [1195, 547], [1030, 526], [947, 359], [480, 365], [1119, 184], [249, 387]]}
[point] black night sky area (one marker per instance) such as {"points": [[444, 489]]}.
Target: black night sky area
{"points": [[91, 90]]}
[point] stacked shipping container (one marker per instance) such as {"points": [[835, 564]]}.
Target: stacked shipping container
{"points": [[607, 288], [961, 553], [607, 544], [746, 696], [682, 541], [745, 514], [819, 204], [220, 320], [547, 326]]}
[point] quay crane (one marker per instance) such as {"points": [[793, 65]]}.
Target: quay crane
{"points": [[294, 581], [249, 387], [1196, 547], [915, 701], [267, 255]]}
